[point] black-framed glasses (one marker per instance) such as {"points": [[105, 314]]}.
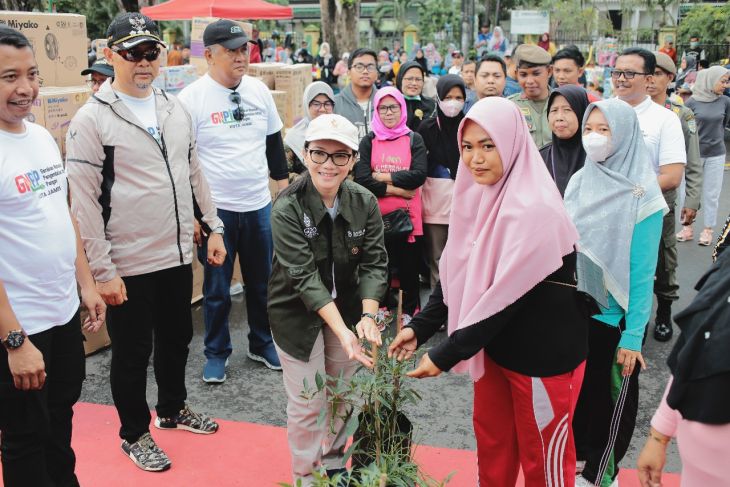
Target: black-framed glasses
{"points": [[365, 67], [137, 54], [383, 109], [235, 97], [320, 157], [318, 105], [616, 74]]}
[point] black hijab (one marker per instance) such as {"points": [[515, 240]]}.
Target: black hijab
{"points": [[700, 360], [564, 157], [420, 108], [440, 132]]}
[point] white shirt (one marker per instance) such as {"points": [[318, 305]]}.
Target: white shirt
{"points": [[144, 110], [662, 132], [233, 153], [37, 240]]}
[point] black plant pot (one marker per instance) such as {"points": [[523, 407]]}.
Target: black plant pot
{"points": [[399, 443]]}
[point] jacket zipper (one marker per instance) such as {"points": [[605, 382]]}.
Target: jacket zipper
{"points": [[163, 149]]}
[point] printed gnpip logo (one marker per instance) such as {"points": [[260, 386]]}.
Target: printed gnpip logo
{"points": [[224, 117], [29, 182]]}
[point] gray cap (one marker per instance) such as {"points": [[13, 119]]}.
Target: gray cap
{"points": [[665, 62], [531, 53]]}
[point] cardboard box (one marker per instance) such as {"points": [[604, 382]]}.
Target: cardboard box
{"points": [[55, 107], [198, 277], [280, 99], [197, 49], [94, 342], [266, 72], [178, 77], [294, 80], [100, 45], [59, 42]]}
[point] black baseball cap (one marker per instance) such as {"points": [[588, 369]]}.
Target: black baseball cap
{"points": [[130, 29], [100, 66], [227, 33]]}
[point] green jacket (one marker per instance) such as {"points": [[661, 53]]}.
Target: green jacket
{"points": [[693, 169], [306, 245], [536, 122]]}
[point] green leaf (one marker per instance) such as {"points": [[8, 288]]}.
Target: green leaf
{"points": [[351, 425], [322, 416], [319, 381]]}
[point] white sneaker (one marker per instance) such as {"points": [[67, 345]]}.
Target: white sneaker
{"points": [[581, 481], [579, 466], [614, 483]]}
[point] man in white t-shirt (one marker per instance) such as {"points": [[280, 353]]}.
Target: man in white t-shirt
{"points": [[664, 141], [136, 183], [41, 262], [238, 133]]}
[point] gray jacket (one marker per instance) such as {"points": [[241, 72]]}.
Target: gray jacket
{"points": [[132, 197], [346, 105]]}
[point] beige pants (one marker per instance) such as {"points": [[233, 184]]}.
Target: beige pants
{"points": [[436, 236], [312, 444]]}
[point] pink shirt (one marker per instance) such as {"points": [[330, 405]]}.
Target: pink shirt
{"points": [[389, 156]]}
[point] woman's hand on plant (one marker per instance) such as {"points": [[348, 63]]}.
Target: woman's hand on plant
{"points": [[629, 359], [351, 344], [403, 345], [367, 329], [426, 368]]}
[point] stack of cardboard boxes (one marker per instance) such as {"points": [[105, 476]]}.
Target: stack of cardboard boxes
{"points": [[287, 84]]}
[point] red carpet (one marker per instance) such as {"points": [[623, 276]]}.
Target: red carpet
{"points": [[240, 454]]}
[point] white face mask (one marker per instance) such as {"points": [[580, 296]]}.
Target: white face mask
{"points": [[451, 108], [597, 146]]}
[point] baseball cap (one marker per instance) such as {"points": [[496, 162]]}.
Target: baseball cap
{"points": [[227, 33], [132, 28], [100, 66], [333, 127]]}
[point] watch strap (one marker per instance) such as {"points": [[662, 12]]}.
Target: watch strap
{"points": [[369, 315]]}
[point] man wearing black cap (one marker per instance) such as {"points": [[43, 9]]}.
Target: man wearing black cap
{"points": [[238, 133], [99, 72], [136, 183]]}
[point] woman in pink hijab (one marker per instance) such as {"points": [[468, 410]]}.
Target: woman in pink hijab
{"points": [[393, 167], [516, 321]]}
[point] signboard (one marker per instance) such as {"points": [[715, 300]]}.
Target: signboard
{"points": [[530, 22]]}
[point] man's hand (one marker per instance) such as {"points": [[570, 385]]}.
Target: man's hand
{"points": [[198, 234], [629, 359], [426, 368], [367, 329], [216, 250], [403, 345], [27, 367], [688, 216], [96, 306], [112, 292]]}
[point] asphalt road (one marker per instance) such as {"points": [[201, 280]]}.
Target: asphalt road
{"points": [[255, 394]]}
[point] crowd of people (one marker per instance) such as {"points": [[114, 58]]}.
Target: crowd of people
{"points": [[541, 216]]}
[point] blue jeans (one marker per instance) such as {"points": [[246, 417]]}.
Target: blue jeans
{"points": [[247, 235]]}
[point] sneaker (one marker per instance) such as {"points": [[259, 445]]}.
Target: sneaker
{"points": [[146, 454], [579, 466], [188, 420], [686, 234], [268, 357], [581, 481], [663, 331], [214, 371], [705, 237]]}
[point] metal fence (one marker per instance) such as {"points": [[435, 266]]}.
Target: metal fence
{"points": [[713, 52]]}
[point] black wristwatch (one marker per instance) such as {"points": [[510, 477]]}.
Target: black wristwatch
{"points": [[369, 315], [14, 340]]}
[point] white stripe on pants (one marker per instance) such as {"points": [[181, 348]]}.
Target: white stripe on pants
{"points": [[712, 173], [311, 444]]}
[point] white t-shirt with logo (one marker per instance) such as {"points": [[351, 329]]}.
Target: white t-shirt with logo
{"points": [[37, 240], [663, 134], [232, 152], [144, 110]]}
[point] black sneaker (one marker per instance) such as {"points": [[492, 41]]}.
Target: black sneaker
{"points": [[188, 420], [663, 330], [146, 454]]}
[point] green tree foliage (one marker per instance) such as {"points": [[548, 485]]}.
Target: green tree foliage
{"points": [[707, 21], [434, 15], [99, 14]]}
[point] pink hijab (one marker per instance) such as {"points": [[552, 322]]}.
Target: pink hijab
{"points": [[506, 238], [381, 131]]}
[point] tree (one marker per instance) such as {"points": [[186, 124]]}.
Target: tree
{"points": [[340, 24], [99, 14], [435, 15], [396, 10], [20, 5], [708, 21]]}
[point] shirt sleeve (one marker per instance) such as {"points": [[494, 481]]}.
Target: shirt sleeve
{"points": [[693, 171], [426, 323], [363, 172], [671, 148], [644, 251], [414, 177], [373, 267], [665, 419]]}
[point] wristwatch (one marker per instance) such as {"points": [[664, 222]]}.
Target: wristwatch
{"points": [[369, 315], [14, 340], [218, 230]]}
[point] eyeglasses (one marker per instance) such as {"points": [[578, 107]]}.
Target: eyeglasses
{"points": [[413, 80], [136, 55], [361, 68], [320, 157], [616, 74], [383, 109], [317, 105], [94, 82], [235, 97]]}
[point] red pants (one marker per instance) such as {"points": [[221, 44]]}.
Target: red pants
{"points": [[521, 420]]}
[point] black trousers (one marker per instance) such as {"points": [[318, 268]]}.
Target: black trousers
{"points": [[156, 316], [605, 415], [36, 425], [406, 257]]}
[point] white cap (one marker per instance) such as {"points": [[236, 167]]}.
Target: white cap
{"points": [[333, 127]]}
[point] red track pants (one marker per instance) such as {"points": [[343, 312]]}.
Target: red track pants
{"points": [[521, 420]]}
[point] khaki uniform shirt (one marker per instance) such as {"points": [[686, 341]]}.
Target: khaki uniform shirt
{"points": [[693, 169], [537, 122]]}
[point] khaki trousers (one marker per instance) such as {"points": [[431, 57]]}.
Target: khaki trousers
{"points": [[310, 444]]}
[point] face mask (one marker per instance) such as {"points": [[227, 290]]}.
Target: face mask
{"points": [[597, 146], [694, 45], [451, 108]]}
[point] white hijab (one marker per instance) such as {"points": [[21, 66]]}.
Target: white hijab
{"points": [[295, 136]]}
